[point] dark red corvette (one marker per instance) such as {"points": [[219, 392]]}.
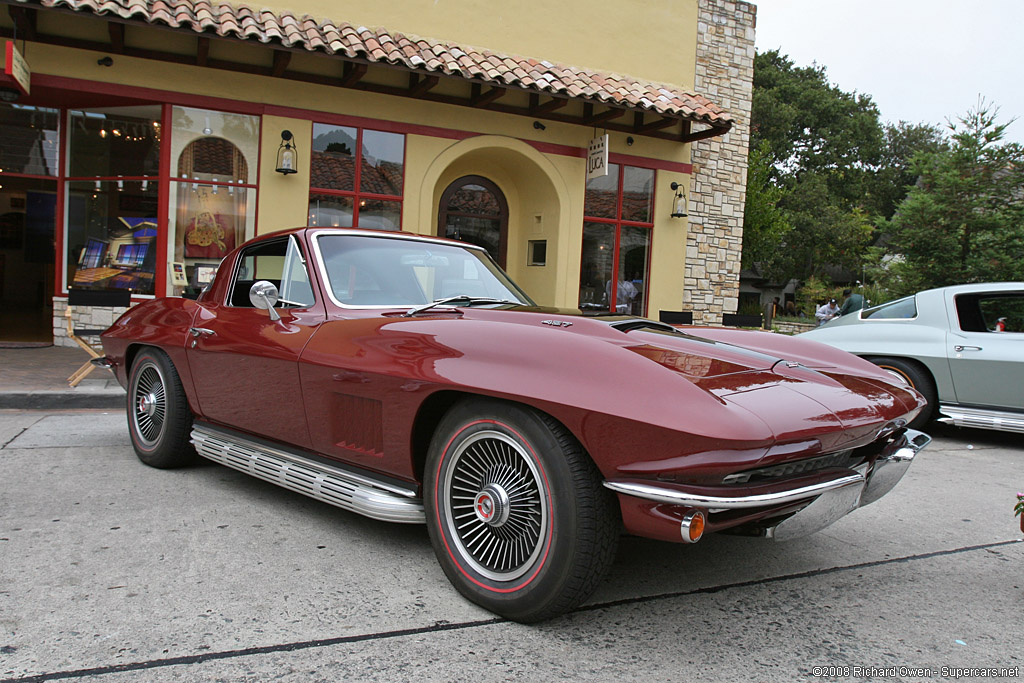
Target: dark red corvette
{"points": [[408, 379]]}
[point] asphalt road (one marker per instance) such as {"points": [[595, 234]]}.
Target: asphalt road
{"points": [[111, 571]]}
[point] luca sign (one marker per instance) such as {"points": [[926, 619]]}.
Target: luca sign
{"points": [[597, 157], [16, 67]]}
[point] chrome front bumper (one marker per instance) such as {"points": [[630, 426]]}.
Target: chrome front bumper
{"points": [[830, 499]]}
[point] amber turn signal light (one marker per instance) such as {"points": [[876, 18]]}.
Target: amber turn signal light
{"points": [[692, 526]]}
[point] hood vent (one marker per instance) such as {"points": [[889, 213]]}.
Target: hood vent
{"points": [[631, 324]]}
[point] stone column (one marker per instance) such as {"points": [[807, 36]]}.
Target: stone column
{"points": [[714, 243]]}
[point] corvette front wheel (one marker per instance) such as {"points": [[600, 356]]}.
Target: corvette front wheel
{"points": [[516, 511], [159, 420]]}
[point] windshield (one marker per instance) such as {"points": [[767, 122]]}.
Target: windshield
{"points": [[366, 270]]}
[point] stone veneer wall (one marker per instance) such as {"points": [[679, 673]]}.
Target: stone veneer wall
{"points": [[714, 243], [85, 317]]}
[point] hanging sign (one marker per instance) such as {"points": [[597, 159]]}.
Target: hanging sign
{"points": [[16, 67], [597, 157]]}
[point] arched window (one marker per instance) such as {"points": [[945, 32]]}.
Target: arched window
{"points": [[474, 210], [214, 213]]}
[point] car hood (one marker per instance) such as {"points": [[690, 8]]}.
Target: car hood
{"points": [[795, 388]]}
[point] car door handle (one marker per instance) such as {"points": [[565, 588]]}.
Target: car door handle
{"points": [[200, 331], [958, 348]]}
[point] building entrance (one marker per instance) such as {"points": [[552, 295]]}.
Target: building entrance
{"points": [[28, 213]]}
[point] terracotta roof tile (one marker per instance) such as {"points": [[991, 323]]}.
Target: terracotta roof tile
{"points": [[421, 54]]}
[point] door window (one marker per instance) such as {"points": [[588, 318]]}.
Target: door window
{"points": [[280, 262]]}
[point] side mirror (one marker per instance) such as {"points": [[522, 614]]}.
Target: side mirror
{"points": [[264, 295]]}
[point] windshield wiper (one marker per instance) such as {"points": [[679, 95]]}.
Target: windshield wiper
{"points": [[470, 301]]}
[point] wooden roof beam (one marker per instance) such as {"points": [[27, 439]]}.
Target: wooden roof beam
{"points": [[353, 73], [482, 99], [116, 32], [591, 119], [202, 51], [709, 132], [25, 21], [536, 109], [281, 60], [663, 122], [419, 85]]}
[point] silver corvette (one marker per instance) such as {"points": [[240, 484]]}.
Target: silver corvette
{"points": [[961, 346]]}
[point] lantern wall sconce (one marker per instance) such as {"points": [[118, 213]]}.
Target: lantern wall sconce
{"points": [[678, 202], [287, 156]]}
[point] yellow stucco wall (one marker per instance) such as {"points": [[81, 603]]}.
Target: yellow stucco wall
{"points": [[650, 39]]}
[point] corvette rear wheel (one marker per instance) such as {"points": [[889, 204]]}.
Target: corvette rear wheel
{"points": [[516, 511], [159, 420], [916, 377]]}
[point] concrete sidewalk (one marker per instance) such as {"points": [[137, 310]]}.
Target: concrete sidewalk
{"points": [[37, 379]]}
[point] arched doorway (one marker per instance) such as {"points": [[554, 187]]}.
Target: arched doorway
{"points": [[474, 210]]}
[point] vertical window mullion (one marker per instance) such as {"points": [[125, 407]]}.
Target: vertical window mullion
{"points": [[61, 219], [613, 304], [163, 221], [358, 152]]}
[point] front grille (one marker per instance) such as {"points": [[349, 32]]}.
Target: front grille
{"points": [[790, 469]]}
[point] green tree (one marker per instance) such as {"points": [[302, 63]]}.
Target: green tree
{"points": [[964, 219], [812, 126], [823, 146], [895, 175], [765, 226]]}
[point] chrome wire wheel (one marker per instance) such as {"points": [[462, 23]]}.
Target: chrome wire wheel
{"points": [[495, 505], [149, 404]]}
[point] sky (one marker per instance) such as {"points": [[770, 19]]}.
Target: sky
{"points": [[921, 61]]}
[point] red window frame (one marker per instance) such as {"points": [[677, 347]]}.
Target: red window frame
{"points": [[618, 222], [357, 194]]}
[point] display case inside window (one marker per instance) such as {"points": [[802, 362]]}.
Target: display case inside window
{"points": [[30, 140], [213, 189], [111, 235]]}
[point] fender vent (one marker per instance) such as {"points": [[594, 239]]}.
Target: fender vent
{"points": [[361, 425]]}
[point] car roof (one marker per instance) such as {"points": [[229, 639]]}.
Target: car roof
{"points": [[977, 287]]}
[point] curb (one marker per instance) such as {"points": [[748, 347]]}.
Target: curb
{"points": [[61, 400]]}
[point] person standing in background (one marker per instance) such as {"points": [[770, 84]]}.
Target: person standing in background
{"points": [[851, 302], [826, 312]]}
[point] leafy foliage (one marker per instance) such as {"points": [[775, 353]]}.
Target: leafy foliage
{"points": [[904, 206], [964, 220], [765, 226], [814, 150]]}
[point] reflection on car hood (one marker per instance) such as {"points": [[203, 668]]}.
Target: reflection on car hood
{"points": [[795, 398]]}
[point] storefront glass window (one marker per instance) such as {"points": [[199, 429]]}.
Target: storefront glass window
{"points": [[350, 190], [637, 194], [596, 271], [111, 236], [331, 210], [213, 188], [112, 198], [382, 163], [30, 140], [112, 142], [617, 239], [602, 195]]}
